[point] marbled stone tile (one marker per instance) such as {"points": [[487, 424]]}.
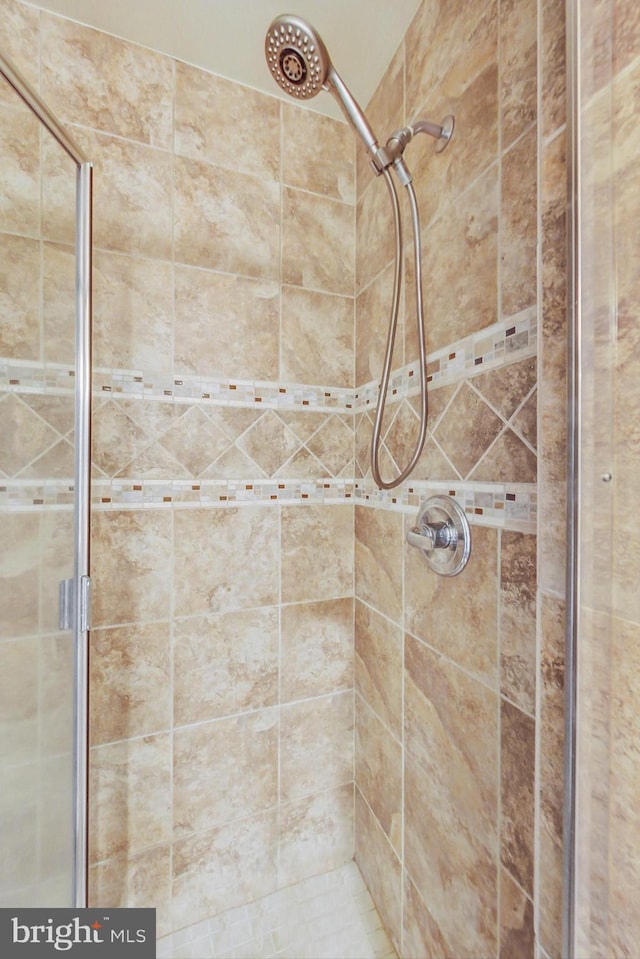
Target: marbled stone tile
{"points": [[374, 247], [58, 303], [316, 745], [225, 325], [19, 280], [19, 690], [380, 868], [421, 935], [138, 882], [98, 80], [20, 575], [316, 552], [224, 664], [401, 433], [378, 560], [448, 46], [131, 566], [518, 618], [58, 186], [318, 243], [333, 445], [467, 430], [317, 153], [378, 665], [508, 460], [550, 860], [517, 770], [130, 795], [19, 37], [440, 178], [466, 632], [517, 938], [225, 220], [379, 763], [553, 82], [518, 81], [55, 702], [316, 651], [132, 312], [506, 387], [269, 443], [54, 825], [460, 248], [316, 332], [25, 435], [385, 112], [194, 441], [518, 225], [226, 123], [316, 834], [19, 808], [130, 681], [624, 819], [224, 867], [20, 146], [116, 438], [225, 559], [373, 307], [213, 765]]}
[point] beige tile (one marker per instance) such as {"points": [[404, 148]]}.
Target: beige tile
{"points": [[25, 437], [269, 443], [316, 552], [19, 807], [226, 123], [518, 51], [316, 834], [243, 312], [58, 303], [554, 110], [316, 745], [506, 387], [194, 441], [20, 575], [20, 36], [19, 713], [460, 248], [139, 882], [373, 307], [225, 559], [516, 921], [421, 934], [116, 438], [550, 901], [20, 145], [518, 618], [379, 763], [130, 682], [215, 763], [379, 560], [58, 187], [19, 279], [375, 235], [56, 704], [518, 225], [316, 653], [517, 771], [380, 868], [467, 632], [101, 81], [378, 665], [132, 312], [316, 338], [56, 563], [225, 664], [385, 112], [225, 220], [131, 553], [130, 795], [318, 243], [224, 867], [317, 153], [333, 446], [508, 460]]}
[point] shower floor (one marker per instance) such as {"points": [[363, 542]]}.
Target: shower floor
{"points": [[331, 916]]}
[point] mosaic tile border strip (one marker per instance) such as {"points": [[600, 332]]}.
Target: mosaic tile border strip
{"points": [[505, 342], [497, 345], [512, 506]]}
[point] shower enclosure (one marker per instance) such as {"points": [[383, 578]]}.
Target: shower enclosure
{"points": [[45, 239]]}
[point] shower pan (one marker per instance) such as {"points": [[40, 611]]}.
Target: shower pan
{"points": [[45, 405], [301, 66]]}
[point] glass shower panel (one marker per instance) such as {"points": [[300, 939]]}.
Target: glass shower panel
{"points": [[37, 323]]}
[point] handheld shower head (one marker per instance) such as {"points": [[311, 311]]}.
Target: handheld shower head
{"points": [[300, 64]]}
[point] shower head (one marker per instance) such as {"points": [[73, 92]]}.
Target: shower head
{"points": [[300, 64]]}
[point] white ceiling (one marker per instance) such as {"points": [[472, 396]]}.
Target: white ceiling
{"points": [[227, 36]]}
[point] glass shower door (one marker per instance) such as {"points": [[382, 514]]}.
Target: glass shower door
{"points": [[44, 301]]}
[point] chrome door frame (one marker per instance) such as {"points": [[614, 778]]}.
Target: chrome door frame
{"points": [[82, 466]]}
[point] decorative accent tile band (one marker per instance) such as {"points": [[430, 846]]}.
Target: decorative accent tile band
{"points": [[119, 494], [504, 505], [495, 346]]}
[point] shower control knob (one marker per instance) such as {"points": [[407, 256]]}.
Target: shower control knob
{"points": [[442, 534]]}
